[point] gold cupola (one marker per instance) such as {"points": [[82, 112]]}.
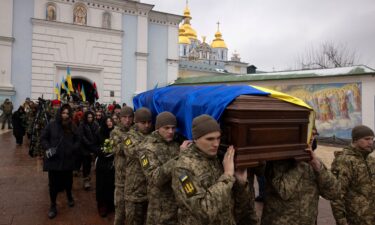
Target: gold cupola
{"points": [[218, 42], [189, 31], [182, 39]]}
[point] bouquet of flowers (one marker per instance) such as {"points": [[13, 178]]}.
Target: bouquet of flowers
{"points": [[107, 146]]}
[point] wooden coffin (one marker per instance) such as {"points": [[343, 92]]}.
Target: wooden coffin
{"points": [[262, 128]]}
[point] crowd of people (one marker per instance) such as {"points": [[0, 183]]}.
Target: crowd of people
{"points": [[148, 174]]}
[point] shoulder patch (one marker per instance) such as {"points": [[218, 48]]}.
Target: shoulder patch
{"points": [[187, 185], [128, 142], [144, 162]]}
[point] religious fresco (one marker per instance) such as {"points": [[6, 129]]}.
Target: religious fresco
{"points": [[337, 106]]}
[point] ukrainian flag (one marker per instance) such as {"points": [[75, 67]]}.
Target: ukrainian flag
{"points": [[63, 85], [83, 94], [69, 79], [57, 91]]}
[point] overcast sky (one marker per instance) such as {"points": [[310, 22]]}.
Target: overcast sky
{"points": [[271, 34]]}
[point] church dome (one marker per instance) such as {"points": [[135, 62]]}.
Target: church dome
{"points": [[182, 38], [189, 31], [218, 42]]}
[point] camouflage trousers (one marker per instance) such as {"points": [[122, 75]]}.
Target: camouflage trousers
{"points": [[119, 206], [136, 213]]}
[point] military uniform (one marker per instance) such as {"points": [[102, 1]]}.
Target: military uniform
{"points": [[118, 135], [355, 170], [135, 182], [293, 192], [207, 196], [157, 160]]}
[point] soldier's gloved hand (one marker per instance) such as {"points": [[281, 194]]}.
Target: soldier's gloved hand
{"points": [[228, 161]]}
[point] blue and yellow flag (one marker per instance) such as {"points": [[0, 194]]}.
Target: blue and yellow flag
{"points": [[83, 94], [57, 91], [63, 86], [69, 79]]}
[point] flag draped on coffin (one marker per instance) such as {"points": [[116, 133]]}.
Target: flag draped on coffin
{"points": [[187, 102]]}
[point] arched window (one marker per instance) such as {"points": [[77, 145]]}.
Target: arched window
{"points": [[106, 20], [51, 12], [80, 14]]}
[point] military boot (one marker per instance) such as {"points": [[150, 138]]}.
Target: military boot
{"points": [[52, 213]]}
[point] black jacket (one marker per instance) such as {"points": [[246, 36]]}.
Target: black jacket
{"points": [[89, 139], [67, 145], [18, 122]]}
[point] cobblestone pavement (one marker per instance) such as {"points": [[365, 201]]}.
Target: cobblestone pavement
{"points": [[24, 196]]}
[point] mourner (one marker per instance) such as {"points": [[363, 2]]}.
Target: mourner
{"points": [[118, 136], [159, 152], [61, 140], [135, 182], [355, 169], [208, 191]]}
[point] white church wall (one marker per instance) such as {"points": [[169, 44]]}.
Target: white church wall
{"points": [[173, 57]]}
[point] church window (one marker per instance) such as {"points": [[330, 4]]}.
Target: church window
{"points": [[80, 14], [51, 12], [106, 20]]}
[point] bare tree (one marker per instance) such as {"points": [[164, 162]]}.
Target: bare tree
{"points": [[327, 55]]}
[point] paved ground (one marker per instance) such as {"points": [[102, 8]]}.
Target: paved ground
{"points": [[24, 196]]}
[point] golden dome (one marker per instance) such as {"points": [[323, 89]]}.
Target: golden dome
{"points": [[218, 42], [189, 31], [182, 39]]}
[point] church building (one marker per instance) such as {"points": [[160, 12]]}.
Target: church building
{"points": [[124, 47]]}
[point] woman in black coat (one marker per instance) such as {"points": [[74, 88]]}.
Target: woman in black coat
{"points": [[61, 141], [88, 129], [19, 125], [105, 172]]}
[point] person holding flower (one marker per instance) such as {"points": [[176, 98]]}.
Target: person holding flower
{"points": [[105, 172]]}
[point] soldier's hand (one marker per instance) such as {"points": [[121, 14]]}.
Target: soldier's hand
{"points": [[228, 161], [185, 145], [314, 162], [241, 175]]}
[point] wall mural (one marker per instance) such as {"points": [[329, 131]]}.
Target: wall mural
{"points": [[337, 106]]}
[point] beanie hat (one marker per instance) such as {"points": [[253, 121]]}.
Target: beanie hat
{"points": [[142, 115], [204, 124], [126, 111], [165, 118], [361, 131]]}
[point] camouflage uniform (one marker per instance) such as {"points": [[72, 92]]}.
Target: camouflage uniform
{"points": [[355, 170], [118, 136], [157, 159], [293, 191], [206, 196], [135, 182]]}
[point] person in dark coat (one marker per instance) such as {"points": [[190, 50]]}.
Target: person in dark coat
{"points": [[62, 136], [89, 145], [105, 172], [19, 125]]}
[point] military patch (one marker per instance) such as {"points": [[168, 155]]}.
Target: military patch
{"points": [[144, 162], [128, 142], [187, 185]]}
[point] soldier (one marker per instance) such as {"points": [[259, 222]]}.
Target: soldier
{"points": [[355, 169], [7, 108], [159, 152], [118, 136], [135, 182], [208, 192], [293, 189]]}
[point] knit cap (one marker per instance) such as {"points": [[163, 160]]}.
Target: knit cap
{"points": [[361, 131], [126, 111], [164, 119], [142, 115], [204, 124]]}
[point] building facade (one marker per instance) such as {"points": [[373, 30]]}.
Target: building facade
{"points": [[124, 47]]}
